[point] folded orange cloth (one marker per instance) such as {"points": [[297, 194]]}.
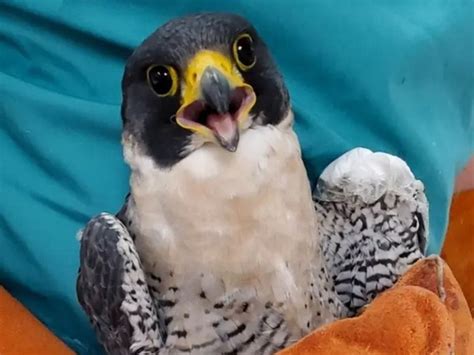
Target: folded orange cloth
{"points": [[425, 313], [435, 275], [22, 334], [458, 249]]}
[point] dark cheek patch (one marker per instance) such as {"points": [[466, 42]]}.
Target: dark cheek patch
{"points": [[149, 119], [165, 142], [272, 96]]}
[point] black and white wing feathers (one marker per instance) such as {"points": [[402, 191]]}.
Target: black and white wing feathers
{"points": [[373, 222], [111, 289]]}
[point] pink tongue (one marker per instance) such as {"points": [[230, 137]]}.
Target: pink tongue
{"points": [[223, 125]]}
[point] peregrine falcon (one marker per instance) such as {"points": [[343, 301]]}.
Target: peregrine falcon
{"points": [[221, 247]]}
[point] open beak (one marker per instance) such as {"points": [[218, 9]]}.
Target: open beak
{"points": [[216, 101]]}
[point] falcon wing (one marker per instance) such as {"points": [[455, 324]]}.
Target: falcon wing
{"points": [[373, 222], [111, 289]]}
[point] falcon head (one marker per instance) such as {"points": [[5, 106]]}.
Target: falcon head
{"points": [[199, 79]]}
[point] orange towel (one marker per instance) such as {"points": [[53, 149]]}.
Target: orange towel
{"points": [[458, 250], [438, 278], [425, 313], [379, 329], [22, 334]]}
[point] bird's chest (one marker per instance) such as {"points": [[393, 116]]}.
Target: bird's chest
{"points": [[244, 219]]}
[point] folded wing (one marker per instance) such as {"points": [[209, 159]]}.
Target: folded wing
{"points": [[374, 223]]}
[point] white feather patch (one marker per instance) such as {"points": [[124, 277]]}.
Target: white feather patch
{"points": [[246, 218], [361, 172]]}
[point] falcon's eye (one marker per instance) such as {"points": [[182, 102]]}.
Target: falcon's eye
{"points": [[244, 52], [162, 79]]}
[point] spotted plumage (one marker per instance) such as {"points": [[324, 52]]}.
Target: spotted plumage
{"points": [[220, 247], [111, 286], [373, 218]]}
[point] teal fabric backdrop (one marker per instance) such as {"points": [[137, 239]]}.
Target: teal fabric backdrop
{"points": [[396, 76]]}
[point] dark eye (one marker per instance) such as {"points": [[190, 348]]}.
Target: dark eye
{"points": [[244, 52], [162, 79]]}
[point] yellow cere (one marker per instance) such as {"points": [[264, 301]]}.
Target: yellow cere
{"points": [[196, 67], [191, 88]]}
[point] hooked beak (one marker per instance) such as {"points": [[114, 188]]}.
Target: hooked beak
{"points": [[216, 101]]}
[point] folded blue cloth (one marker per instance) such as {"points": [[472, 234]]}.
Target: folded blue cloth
{"points": [[391, 76]]}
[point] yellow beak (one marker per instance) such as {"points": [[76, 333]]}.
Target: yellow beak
{"points": [[215, 99]]}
